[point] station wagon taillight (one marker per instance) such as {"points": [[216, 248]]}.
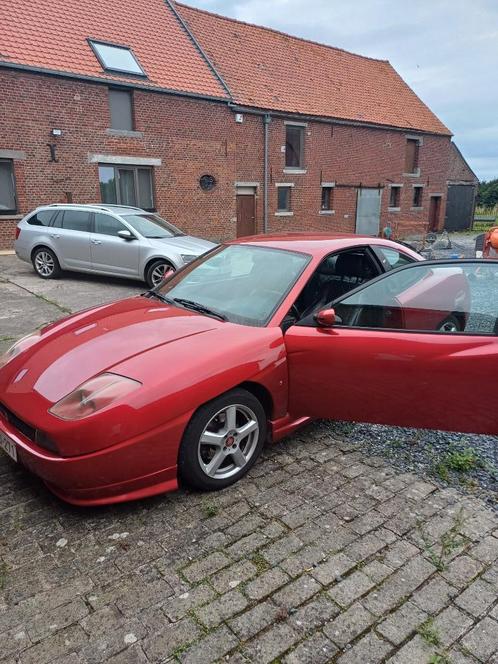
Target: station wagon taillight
{"points": [[18, 232]]}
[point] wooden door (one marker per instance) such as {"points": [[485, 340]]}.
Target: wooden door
{"points": [[434, 210], [246, 214]]}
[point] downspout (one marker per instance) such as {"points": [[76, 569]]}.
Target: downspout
{"points": [[266, 171]]}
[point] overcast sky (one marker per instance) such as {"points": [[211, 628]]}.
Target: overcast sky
{"points": [[446, 50]]}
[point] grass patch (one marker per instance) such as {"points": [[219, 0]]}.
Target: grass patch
{"points": [[260, 563], [61, 307], [5, 339], [3, 574], [429, 633], [209, 510], [440, 658], [463, 461], [178, 652], [439, 552], [457, 461]]}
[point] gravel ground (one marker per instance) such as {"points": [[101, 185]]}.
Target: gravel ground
{"points": [[466, 462]]}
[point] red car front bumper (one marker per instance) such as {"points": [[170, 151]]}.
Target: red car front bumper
{"points": [[127, 471]]}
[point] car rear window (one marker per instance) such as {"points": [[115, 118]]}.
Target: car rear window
{"points": [[76, 220], [41, 218]]}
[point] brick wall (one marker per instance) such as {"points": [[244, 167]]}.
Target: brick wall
{"points": [[195, 137]]}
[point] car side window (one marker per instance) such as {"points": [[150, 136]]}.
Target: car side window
{"points": [[391, 258], [451, 298], [107, 225], [42, 218], [336, 275], [76, 220]]}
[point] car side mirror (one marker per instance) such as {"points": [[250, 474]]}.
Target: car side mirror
{"points": [[327, 318], [126, 235]]}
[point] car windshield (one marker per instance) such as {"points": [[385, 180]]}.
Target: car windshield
{"points": [[152, 226], [243, 283]]}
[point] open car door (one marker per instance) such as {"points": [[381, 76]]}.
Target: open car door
{"points": [[416, 347]]}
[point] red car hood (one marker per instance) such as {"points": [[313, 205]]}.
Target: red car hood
{"points": [[71, 351]]}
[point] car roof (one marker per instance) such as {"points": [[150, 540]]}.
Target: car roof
{"points": [[318, 244], [116, 209]]}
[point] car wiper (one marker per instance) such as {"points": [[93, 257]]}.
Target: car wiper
{"points": [[196, 306], [158, 296]]}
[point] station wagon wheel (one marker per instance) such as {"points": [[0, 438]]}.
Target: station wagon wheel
{"points": [[156, 271], [223, 440], [45, 263]]}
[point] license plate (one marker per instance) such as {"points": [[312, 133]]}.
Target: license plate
{"points": [[8, 446]]}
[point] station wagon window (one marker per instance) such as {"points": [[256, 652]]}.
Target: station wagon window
{"points": [[127, 185], [107, 225], [42, 218], [8, 204], [74, 220]]}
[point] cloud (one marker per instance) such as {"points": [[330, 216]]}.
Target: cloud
{"points": [[445, 50]]}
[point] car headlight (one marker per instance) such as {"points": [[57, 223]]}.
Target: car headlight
{"points": [[18, 347], [92, 396], [188, 258]]}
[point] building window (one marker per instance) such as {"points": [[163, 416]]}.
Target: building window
{"points": [[283, 198], [127, 185], [113, 57], [8, 203], [395, 197], [411, 155], [121, 109], [294, 146], [327, 199], [417, 196]]}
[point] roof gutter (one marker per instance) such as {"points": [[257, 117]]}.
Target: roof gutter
{"points": [[236, 108], [199, 47]]}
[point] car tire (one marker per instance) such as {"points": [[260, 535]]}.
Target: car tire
{"points": [[450, 324], [154, 270], [45, 263], [222, 441]]}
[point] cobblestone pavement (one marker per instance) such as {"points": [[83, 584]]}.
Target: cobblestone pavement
{"points": [[322, 554]]}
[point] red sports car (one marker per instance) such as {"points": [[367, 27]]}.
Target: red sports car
{"points": [[246, 344]]}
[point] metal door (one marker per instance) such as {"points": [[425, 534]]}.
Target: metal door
{"points": [[368, 211], [459, 207]]}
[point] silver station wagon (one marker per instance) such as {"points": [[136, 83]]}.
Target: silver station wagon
{"points": [[104, 239]]}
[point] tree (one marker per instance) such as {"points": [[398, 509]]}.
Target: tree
{"points": [[488, 193]]}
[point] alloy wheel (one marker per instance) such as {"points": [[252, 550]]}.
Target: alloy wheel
{"points": [[449, 326], [228, 441], [157, 274], [44, 263]]}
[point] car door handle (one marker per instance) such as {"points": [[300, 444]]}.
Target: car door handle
{"points": [[55, 234], [96, 241]]}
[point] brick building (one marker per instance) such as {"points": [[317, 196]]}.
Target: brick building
{"points": [[224, 128]]}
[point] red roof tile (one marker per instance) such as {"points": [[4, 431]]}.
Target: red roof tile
{"points": [[52, 34], [275, 71]]}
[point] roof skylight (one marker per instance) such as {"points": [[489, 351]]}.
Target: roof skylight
{"points": [[116, 58]]}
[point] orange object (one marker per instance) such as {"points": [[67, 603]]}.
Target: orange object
{"points": [[490, 243]]}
